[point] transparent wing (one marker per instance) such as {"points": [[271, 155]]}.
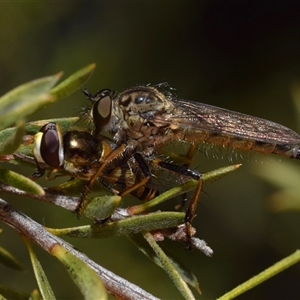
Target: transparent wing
{"points": [[198, 118]]}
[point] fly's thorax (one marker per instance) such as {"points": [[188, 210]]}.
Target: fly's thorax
{"points": [[145, 101], [80, 145], [82, 151], [140, 110]]}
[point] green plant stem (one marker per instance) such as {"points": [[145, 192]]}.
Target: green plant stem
{"points": [[169, 268], [263, 276]]}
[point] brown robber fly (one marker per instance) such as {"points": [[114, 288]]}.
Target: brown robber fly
{"points": [[146, 118], [143, 119]]}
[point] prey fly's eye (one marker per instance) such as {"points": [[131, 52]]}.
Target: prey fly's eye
{"points": [[48, 146]]}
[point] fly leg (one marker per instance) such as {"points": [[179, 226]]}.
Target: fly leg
{"points": [[192, 207], [39, 172], [139, 187], [189, 157], [83, 202], [185, 160], [190, 154], [191, 212]]}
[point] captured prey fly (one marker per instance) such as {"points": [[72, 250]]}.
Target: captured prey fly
{"points": [[143, 119], [81, 155]]}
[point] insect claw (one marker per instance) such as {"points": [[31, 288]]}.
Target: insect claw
{"points": [[98, 222], [77, 210]]}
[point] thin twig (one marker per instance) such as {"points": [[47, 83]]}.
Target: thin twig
{"points": [[67, 202], [115, 285]]}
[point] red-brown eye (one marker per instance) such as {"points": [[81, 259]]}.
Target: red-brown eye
{"points": [[48, 146]]}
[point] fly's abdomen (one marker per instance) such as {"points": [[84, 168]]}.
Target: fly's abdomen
{"points": [[291, 151], [240, 143]]}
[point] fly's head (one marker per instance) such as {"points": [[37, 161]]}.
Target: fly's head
{"points": [[75, 153]]}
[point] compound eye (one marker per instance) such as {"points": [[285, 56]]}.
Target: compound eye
{"points": [[48, 146], [101, 111]]}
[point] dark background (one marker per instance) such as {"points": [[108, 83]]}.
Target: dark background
{"points": [[240, 55]]}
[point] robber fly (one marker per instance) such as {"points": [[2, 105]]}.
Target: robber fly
{"points": [[146, 118]]}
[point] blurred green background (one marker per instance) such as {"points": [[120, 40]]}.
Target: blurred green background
{"points": [[240, 55]]}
